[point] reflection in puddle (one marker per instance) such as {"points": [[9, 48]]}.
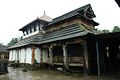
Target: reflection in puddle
{"points": [[18, 74]]}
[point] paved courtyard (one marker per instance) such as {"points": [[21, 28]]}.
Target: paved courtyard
{"points": [[18, 74]]}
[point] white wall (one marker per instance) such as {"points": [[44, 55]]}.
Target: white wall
{"points": [[22, 56], [10, 55], [28, 55], [37, 55], [31, 34], [22, 53], [45, 55], [19, 54], [14, 55]]}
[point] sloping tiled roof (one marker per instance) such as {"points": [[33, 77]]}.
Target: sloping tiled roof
{"points": [[63, 33], [118, 2], [3, 48], [24, 42], [33, 22], [69, 15], [67, 32]]}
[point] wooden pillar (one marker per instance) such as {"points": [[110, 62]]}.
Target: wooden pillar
{"points": [[33, 55], [65, 62], [98, 60], [50, 56], [86, 67]]}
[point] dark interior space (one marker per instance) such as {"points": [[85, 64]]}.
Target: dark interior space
{"points": [[57, 54], [57, 51], [75, 57], [75, 50], [109, 48], [92, 56]]}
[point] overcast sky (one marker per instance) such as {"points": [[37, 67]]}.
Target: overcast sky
{"points": [[14, 14]]}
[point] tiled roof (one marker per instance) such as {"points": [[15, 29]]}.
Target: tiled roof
{"points": [[3, 48], [118, 2], [61, 34], [24, 42], [69, 15], [67, 32], [38, 20]]}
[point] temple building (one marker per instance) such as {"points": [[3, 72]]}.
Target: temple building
{"points": [[69, 41]]}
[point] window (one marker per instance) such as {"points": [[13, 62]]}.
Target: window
{"points": [[30, 30], [37, 27], [34, 28], [24, 33], [41, 27]]}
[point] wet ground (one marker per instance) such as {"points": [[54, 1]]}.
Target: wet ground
{"points": [[42, 74]]}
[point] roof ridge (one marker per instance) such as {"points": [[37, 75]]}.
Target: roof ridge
{"points": [[72, 11], [68, 15], [37, 19]]}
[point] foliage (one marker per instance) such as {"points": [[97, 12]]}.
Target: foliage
{"points": [[103, 31], [116, 29], [14, 41]]}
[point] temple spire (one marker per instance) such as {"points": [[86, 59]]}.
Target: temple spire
{"points": [[44, 13], [45, 17]]}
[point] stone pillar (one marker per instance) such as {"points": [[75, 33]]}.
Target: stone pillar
{"points": [[65, 61], [50, 56], [86, 67]]}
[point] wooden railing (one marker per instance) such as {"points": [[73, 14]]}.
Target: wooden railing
{"points": [[58, 59], [75, 60], [70, 59]]}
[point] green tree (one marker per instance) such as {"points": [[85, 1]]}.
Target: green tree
{"points": [[105, 31], [14, 41], [116, 29]]}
